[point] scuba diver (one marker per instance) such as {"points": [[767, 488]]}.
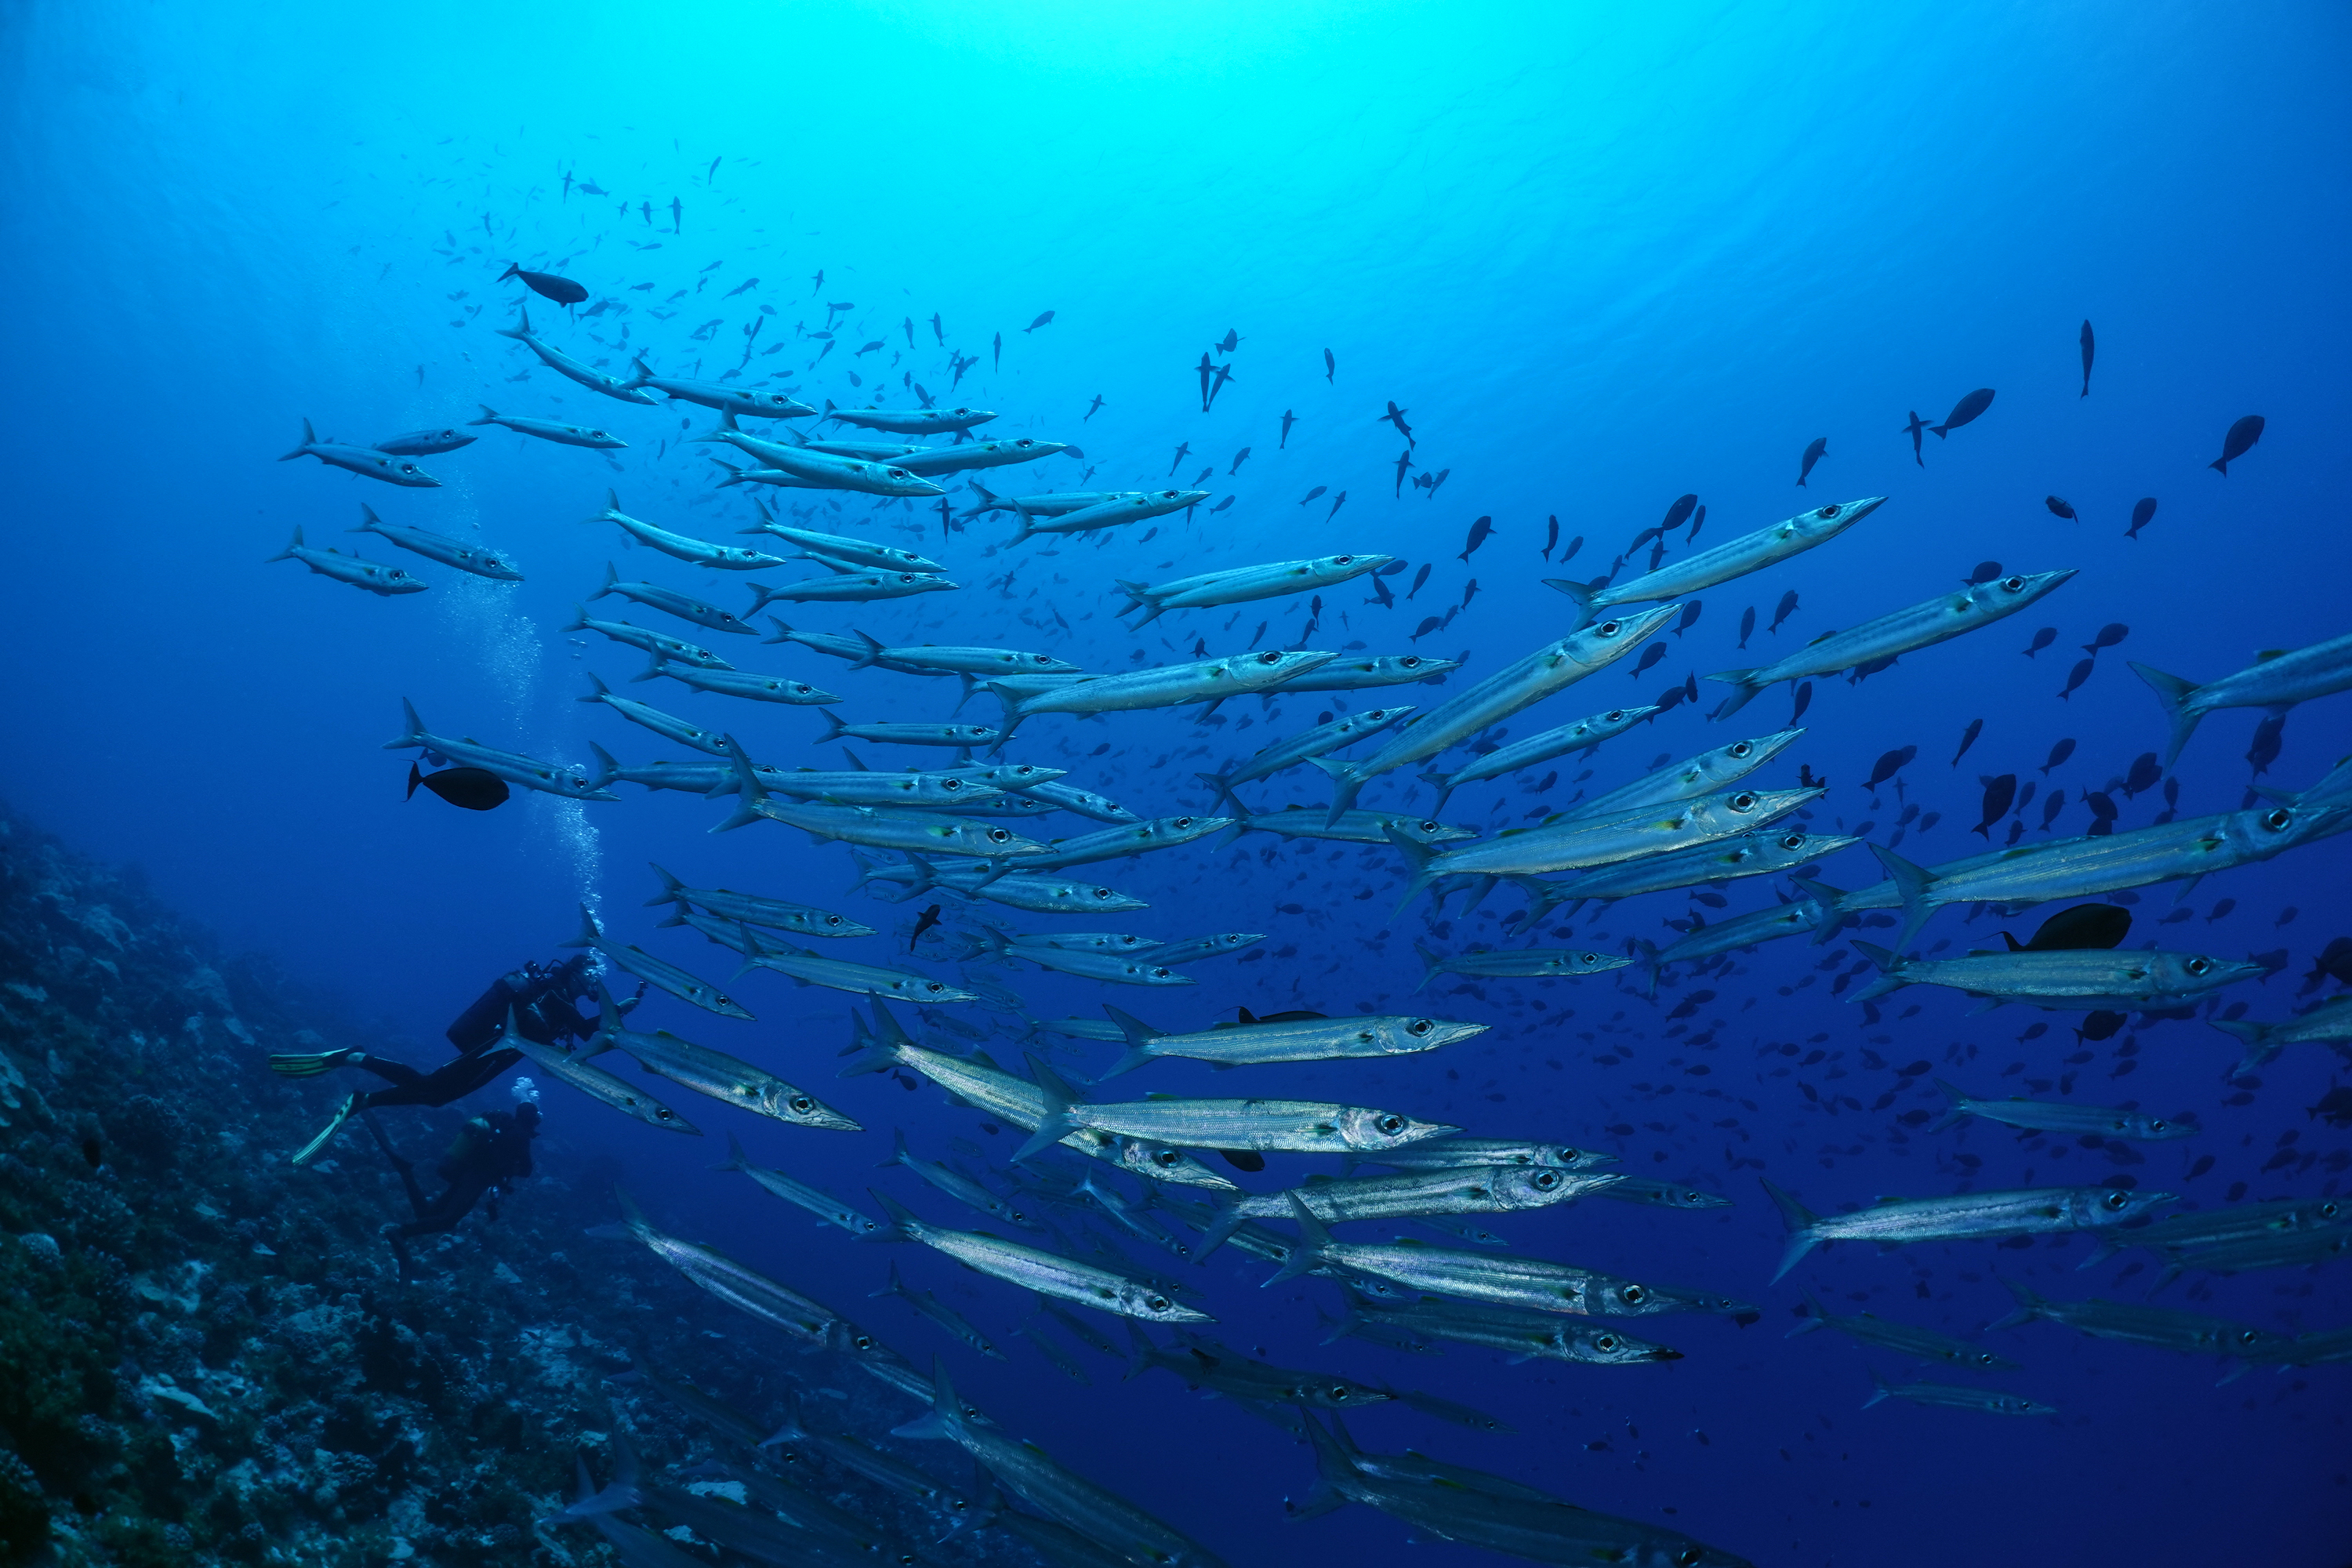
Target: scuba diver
{"points": [[541, 999], [491, 1150]]}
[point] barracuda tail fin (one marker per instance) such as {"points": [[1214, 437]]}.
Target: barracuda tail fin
{"points": [[1958, 1111], [1890, 972], [1646, 959], [412, 731], [1139, 1035], [1878, 1383], [2174, 693], [872, 650], [1747, 684], [489, 414], [1578, 594], [612, 581], [590, 933], [1061, 1101], [1222, 785], [2029, 1307], [734, 477], [608, 771], [292, 545], [1432, 964], [725, 427], [1800, 1221], [1833, 903], [1228, 1220], [369, 522], [1346, 783], [738, 1158], [2260, 1047], [1915, 886], [310, 439], [1332, 1464], [867, 1051], [750, 795], [1140, 1351], [989, 500], [1816, 1316], [521, 331], [645, 373], [944, 1408], [601, 691], [1443, 784], [1419, 859], [1313, 1239], [673, 890]]}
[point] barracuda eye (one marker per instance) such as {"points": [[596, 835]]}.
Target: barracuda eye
{"points": [[2329, 1211], [802, 1103], [2158, 1125], [2198, 965], [1614, 716], [1428, 826], [1591, 958], [1742, 748], [1391, 1124], [1827, 513], [1269, 656], [1339, 1391], [1605, 1342], [1569, 1156], [1744, 800], [2278, 821], [1157, 1303], [1180, 822], [1409, 661], [1341, 560], [1419, 1026], [1167, 1159], [1793, 841], [950, 786], [1609, 628], [863, 1341], [2116, 1201], [1544, 1180], [2015, 584], [1634, 1295], [1689, 1557]]}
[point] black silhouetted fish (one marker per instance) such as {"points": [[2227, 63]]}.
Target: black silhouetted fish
{"points": [[1551, 536], [2270, 736], [2089, 346], [1310, 495], [1650, 656], [1787, 607], [1914, 429], [1239, 458], [1184, 450], [1230, 342], [2042, 639], [1746, 624], [1096, 407], [1574, 545], [2052, 805], [1437, 479], [2103, 813], [1804, 700], [1678, 514], [476, 789], [1698, 520], [2000, 794], [923, 922], [2145, 773], [2110, 635], [1813, 454], [1336, 502], [1968, 738], [2076, 677], [2082, 929], [1380, 594], [93, 1154], [940, 334], [1469, 592], [565, 291], [1225, 374], [2101, 1026], [1889, 764], [996, 352], [2060, 506], [2143, 513], [1966, 411], [1985, 572], [2239, 440], [2058, 754], [1042, 321], [1330, 366], [1689, 618], [1244, 1159], [1480, 531], [1432, 623], [1418, 579], [1395, 416]]}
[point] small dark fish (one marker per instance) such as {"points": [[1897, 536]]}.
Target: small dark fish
{"points": [[1998, 794], [1966, 411], [1310, 495], [1437, 479], [1336, 502], [1985, 572], [1574, 545], [2076, 677], [1480, 531], [1813, 454], [2287, 915], [2088, 347], [2238, 443], [1395, 416], [676, 215], [565, 291], [2083, 928], [2052, 805], [2100, 1025], [996, 353], [1244, 1159], [1418, 579], [2145, 771], [1433, 623], [1689, 618], [1239, 458], [2103, 813], [1184, 450], [1804, 700], [92, 1153], [2269, 738], [1330, 366], [1230, 342], [1678, 513], [1968, 738], [1651, 655], [1288, 419], [2042, 639], [1698, 520], [1746, 624], [2060, 506], [1212, 511], [2221, 910], [2110, 635], [1913, 429], [1787, 607], [923, 922], [1225, 374], [1551, 537], [1805, 779], [1380, 594], [1469, 593], [2335, 1108], [2143, 512], [1095, 407], [476, 789], [2334, 962], [2058, 754], [1040, 321], [1889, 764]]}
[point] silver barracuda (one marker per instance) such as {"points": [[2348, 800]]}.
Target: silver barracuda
{"points": [[1242, 584], [1476, 1189], [997, 454], [665, 649], [793, 1190], [512, 766], [1037, 893], [1354, 672], [724, 396], [684, 606], [1356, 826], [849, 586], [1760, 853], [1297, 1125], [872, 451], [2059, 1116], [910, 421], [367, 461], [1887, 639], [1291, 751], [744, 1288], [1192, 950], [1903, 1339], [1660, 1194], [1958, 1397], [1557, 844], [2088, 865], [946, 1178], [1032, 514], [1732, 558], [858, 979], [563, 364], [1303, 1037], [843, 548], [1549, 669], [748, 684], [1521, 1334], [1581, 736], [2329, 1023], [874, 827], [928, 1304], [964, 737], [1703, 775], [714, 1073], [424, 442], [1052, 503], [553, 430], [693, 778], [566, 1066], [384, 581], [883, 1469], [1972, 1216], [2298, 1250], [654, 972], [2277, 681], [1116, 968], [1055, 796], [1023, 1470], [923, 790], [1516, 964], [1116, 843], [1203, 1363], [1047, 1273], [978, 1082], [439, 547], [1458, 1152], [2165, 1328], [1704, 943], [822, 470], [668, 726], [1163, 686], [2061, 981], [982, 664], [2219, 1227]]}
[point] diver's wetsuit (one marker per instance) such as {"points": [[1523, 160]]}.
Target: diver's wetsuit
{"points": [[493, 1150]]}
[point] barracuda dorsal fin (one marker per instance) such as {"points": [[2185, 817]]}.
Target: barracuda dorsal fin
{"points": [[2269, 653], [1822, 639]]}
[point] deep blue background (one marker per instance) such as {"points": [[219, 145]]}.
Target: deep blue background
{"points": [[1602, 259]]}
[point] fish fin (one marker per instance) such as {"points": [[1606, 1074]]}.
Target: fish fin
{"points": [[672, 889], [1219, 1231], [2029, 1307], [1955, 1112], [489, 414], [1914, 885], [1419, 857], [1831, 900], [1748, 687], [1817, 1318], [589, 934], [369, 523], [1430, 962], [295, 544], [310, 439], [612, 581], [1055, 1124], [1878, 1382], [1577, 593], [601, 691], [750, 795], [413, 732], [2174, 693], [1346, 785], [1800, 1221], [1312, 1238], [1890, 972], [872, 650]]}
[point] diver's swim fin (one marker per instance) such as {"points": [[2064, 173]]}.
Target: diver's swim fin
{"points": [[311, 1151], [312, 1065]]}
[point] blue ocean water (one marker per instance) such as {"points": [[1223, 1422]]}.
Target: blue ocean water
{"points": [[1602, 258]]}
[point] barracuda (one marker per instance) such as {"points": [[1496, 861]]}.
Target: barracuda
{"points": [[1351, 826], [391, 469], [721, 395], [438, 547], [1035, 1269], [1889, 638], [684, 606], [1295, 1125], [1582, 736], [1523, 1335], [1116, 968], [2277, 681], [563, 364], [1972, 1216], [2328, 1023], [1760, 853], [1114, 843], [820, 469], [654, 972], [1242, 584], [668, 726], [1551, 668], [1729, 936], [857, 979], [1516, 964], [743, 683], [2165, 1328], [744, 1288], [1459, 1151], [793, 1190], [1037, 893], [1291, 751], [2059, 1116], [1903, 1339], [664, 649], [961, 460], [1703, 775], [1355, 673], [1733, 558], [1166, 686], [617, 1092], [512, 766], [877, 828], [842, 547], [2061, 981], [714, 1073], [910, 421], [1115, 510], [1477, 1189], [1309, 1038]]}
